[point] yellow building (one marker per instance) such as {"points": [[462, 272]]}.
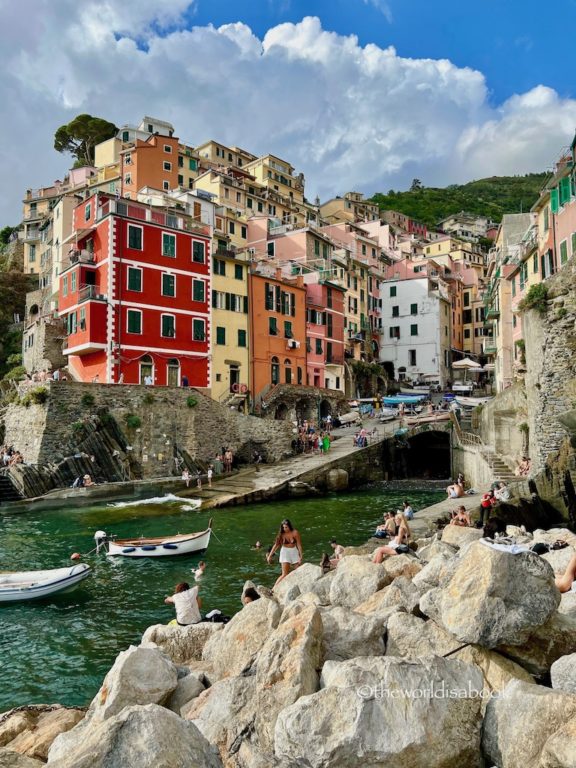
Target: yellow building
{"points": [[457, 250], [351, 208], [212, 154]]}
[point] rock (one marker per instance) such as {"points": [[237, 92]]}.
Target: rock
{"points": [[493, 597], [15, 723], [457, 535], [357, 718], [402, 565], [231, 650], [547, 644], [363, 549], [347, 634], [42, 729], [188, 688], [567, 603], [401, 595], [559, 559], [10, 759], [303, 578], [145, 736], [554, 534], [563, 673], [356, 578], [181, 644], [322, 587], [436, 548], [434, 572], [337, 480], [520, 721], [560, 748]]}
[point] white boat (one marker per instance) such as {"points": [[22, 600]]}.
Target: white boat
{"points": [[472, 402], [428, 418], [387, 414], [32, 585], [169, 546], [419, 389], [462, 386]]}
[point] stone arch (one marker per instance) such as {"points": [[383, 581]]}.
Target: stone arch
{"points": [[302, 409], [325, 409], [281, 412], [33, 311], [429, 455]]}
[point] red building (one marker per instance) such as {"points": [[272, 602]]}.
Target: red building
{"points": [[135, 295]]}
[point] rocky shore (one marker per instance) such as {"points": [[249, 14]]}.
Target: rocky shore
{"points": [[458, 656]]}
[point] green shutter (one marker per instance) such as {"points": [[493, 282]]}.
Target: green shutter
{"points": [[565, 190], [134, 321], [134, 279], [563, 252], [168, 285], [554, 200], [198, 290], [168, 328], [168, 244], [245, 305], [198, 252], [198, 330], [134, 238], [227, 301], [192, 164], [573, 243]]}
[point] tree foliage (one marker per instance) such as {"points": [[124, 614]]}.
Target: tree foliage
{"points": [[80, 136], [5, 234], [490, 197]]}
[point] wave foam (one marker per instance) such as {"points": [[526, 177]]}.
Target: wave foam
{"points": [[154, 500]]}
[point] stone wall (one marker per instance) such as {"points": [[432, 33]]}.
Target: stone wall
{"points": [[42, 345], [500, 423], [156, 424]]}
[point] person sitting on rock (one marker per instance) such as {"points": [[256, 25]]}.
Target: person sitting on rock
{"points": [[455, 491], [460, 517], [567, 582], [523, 468], [88, 481], [502, 492], [388, 527], [401, 540], [338, 552], [187, 603], [487, 502]]}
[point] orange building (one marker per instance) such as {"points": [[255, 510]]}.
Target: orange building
{"points": [[150, 163], [277, 329]]}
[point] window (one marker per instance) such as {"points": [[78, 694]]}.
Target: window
{"points": [[318, 346], [392, 291], [198, 330], [166, 186], [180, 180], [238, 271], [168, 285], [412, 357], [168, 326], [270, 250], [198, 290], [288, 330], [134, 237], [219, 267], [128, 178], [466, 299], [134, 321], [65, 286], [414, 330], [87, 210], [220, 335], [180, 161], [232, 228], [413, 309], [241, 338], [71, 325], [272, 326], [73, 282], [168, 244], [466, 333], [395, 332], [396, 311], [316, 248], [168, 149], [134, 279], [167, 166], [198, 251], [243, 233], [514, 286], [275, 371], [287, 371], [299, 375], [249, 202], [563, 250]]}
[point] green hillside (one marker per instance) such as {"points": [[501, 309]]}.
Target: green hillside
{"points": [[490, 197]]}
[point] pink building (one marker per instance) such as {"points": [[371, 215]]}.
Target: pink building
{"points": [[324, 332]]}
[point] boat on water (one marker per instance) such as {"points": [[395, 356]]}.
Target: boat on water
{"points": [[169, 546], [472, 402], [33, 585], [428, 418]]}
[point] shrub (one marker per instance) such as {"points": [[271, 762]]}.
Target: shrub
{"points": [[14, 359], [148, 398], [524, 427], [16, 373], [77, 427], [132, 421], [536, 298], [191, 401], [38, 395], [562, 312], [87, 400]]}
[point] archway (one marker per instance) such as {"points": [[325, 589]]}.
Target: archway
{"points": [[146, 368], [302, 410], [275, 371], [429, 455], [281, 413], [325, 409], [173, 373]]}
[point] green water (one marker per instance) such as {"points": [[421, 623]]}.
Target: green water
{"points": [[59, 649]]}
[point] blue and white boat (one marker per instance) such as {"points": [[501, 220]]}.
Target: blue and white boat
{"points": [[181, 544], [33, 585], [394, 400]]}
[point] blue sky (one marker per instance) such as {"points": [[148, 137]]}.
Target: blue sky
{"points": [[360, 95]]}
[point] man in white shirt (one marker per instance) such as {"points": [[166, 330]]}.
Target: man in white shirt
{"points": [[187, 603]]}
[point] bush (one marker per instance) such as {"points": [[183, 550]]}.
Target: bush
{"points": [[191, 401], [536, 298], [16, 373], [38, 395], [148, 398], [524, 427], [87, 400], [562, 312], [14, 359], [77, 427], [132, 421]]}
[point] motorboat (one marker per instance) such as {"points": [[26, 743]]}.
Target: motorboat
{"points": [[387, 414], [472, 402], [33, 585], [169, 546], [417, 389], [395, 400], [428, 418], [348, 418]]}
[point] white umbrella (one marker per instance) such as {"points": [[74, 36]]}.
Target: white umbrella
{"points": [[466, 364]]}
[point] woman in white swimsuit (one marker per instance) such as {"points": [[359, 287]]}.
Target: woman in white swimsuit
{"points": [[290, 545]]}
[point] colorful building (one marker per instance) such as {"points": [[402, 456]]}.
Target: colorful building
{"points": [[324, 333], [351, 208], [135, 295]]}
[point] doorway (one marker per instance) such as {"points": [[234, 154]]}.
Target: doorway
{"points": [[173, 373], [146, 368]]}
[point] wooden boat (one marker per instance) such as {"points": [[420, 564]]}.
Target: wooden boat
{"points": [[419, 389], [428, 418], [169, 546], [33, 585], [472, 402]]}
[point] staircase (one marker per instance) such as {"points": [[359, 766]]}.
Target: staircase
{"points": [[7, 491], [500, 470]]}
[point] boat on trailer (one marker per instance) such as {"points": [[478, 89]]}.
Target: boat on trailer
{"points": [[169, 546], [33, 585]]}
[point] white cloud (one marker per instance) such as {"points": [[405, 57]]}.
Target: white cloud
{"points": [[349, 117], [382, 6]]}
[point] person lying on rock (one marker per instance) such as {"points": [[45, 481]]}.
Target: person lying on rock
{"points": [[567, 582], [460, 517], [187, 603], [399, 544]]}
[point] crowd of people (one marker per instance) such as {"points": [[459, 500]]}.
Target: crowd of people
{"points": [[310, 440]]}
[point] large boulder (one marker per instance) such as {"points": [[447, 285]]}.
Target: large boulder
{"points": [[10, 759], [297, 582], [181, 644], [381, 711], [322, 587], [494, 597], [31, 732], [554, 534], [436, 548], [356, 578], [567, 603], [563, 673], [559, 559], [547, 644], [230, 651], [145, 736], [560, 748], [434, 572], [188, 688], [337, 480], [458, 535], [520, 721], [401, 595], [347, 634], [402, 565]]}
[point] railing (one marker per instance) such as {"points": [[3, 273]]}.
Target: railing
{"points": [[89, 293]]}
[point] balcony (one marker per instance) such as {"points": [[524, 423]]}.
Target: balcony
{"points": [[31, 235], [493, 313], [81, 256], [490, 348], [228, 253], [90, 293]]}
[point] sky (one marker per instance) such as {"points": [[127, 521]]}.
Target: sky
{"points": [[361, 95]]}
